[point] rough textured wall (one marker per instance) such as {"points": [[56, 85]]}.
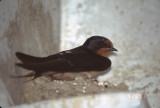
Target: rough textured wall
{"points": [[29, 26], [134, 29]]}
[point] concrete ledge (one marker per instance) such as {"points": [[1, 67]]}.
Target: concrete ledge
{"points": [[113, 100]]}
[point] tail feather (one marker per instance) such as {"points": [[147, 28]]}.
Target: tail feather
{"points": [[33, 74], [27, 58], [24, 66], [24, 76]]}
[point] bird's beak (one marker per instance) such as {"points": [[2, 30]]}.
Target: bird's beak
{"points": [[112, 49]]}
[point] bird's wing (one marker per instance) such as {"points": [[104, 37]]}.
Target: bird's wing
{"points": [[32, 59], [52, 65], [85, 60], [78, 59]]}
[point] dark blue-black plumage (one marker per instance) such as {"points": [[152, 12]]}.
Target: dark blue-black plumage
{"points": [[80, 59]]}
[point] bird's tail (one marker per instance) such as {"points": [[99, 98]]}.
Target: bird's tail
{"points": [[24, 76], [26, 66], [33, 74], [27, 58]]}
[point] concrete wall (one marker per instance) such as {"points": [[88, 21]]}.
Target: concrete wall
{"points": [[29, 26], [134, 29]]}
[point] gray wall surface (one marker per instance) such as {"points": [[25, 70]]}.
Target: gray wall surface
{"points": [[28, 26]]}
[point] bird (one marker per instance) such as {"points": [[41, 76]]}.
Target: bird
{"points": [[90, 56]]}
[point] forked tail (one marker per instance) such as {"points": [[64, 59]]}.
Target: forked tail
{"points": [[33, 74], [23, 76]]}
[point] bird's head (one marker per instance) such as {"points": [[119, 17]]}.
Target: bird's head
{"points": [[99, 45]]}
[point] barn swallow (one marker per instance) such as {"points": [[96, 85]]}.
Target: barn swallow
{"points": [[91, 56]]}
